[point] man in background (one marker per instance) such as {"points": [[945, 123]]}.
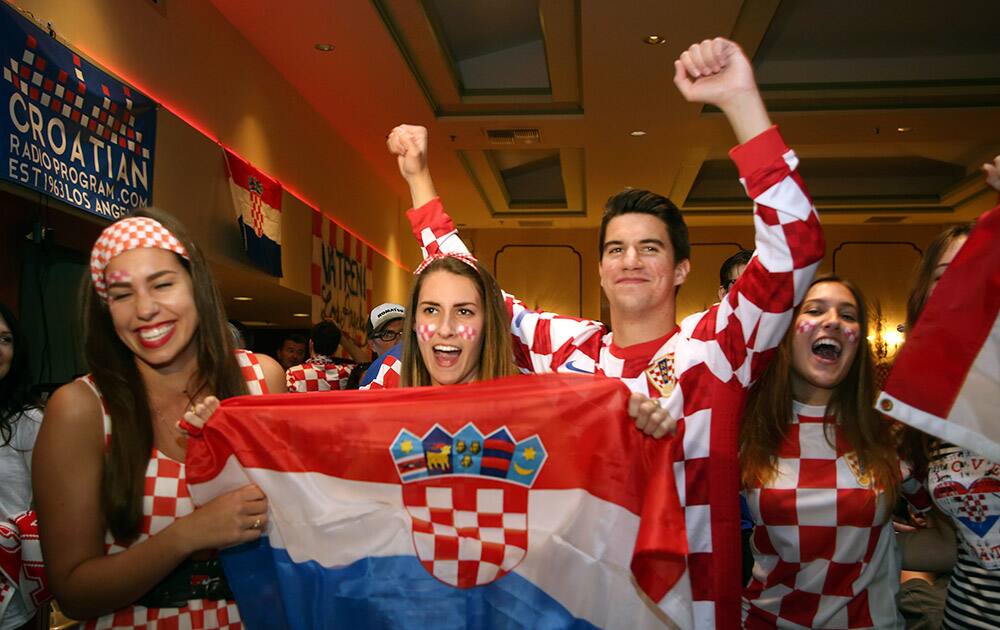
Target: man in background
{"points": [[321, 372], [291, 351], [385, 330]]}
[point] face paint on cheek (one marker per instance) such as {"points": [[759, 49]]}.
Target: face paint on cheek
{"points": [[426, 331], [851, 334], [119, 276], [805, 327], [466, 332]]}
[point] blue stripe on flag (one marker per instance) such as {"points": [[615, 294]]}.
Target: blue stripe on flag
{"points": [[273, 591], [262, 251]]}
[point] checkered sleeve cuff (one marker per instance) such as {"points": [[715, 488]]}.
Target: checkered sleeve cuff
{"points": [[434, 229], [761, 150]]}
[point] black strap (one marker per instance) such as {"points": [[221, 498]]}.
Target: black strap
{"points": [[192, 579]]}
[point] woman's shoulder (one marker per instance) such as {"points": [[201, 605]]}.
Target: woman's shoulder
{"points": [[76, 401], [261, 370]]}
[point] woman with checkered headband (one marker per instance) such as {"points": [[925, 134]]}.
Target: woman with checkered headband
{"points": [[122, 542], [962, 536], [820, 474]]}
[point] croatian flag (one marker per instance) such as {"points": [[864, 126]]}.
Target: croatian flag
{"points": [[530, 501], [257, 200], [946, 380]]}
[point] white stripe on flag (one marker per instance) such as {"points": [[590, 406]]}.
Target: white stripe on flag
{"points": [[580, 546], [272, 217], [971, 423]]}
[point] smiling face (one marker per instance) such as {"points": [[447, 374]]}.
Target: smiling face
{"points": [[824, 341], [638, 271], [151, 301], [448, 323]]}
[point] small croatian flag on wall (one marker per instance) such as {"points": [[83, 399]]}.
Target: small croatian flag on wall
{"points": [[257, 200]]}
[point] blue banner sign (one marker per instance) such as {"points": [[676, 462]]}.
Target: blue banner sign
{"points": [[70, 130]]}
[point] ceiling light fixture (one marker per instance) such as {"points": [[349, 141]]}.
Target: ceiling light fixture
{"points": [[654, 40], [300, 314], [904, 129], [325, 47], [637, 133], [243, 298]]}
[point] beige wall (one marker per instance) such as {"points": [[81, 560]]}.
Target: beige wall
{"points": [[187, 56], [880, 259]]}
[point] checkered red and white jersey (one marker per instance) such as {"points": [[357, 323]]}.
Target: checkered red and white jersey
{"points": [[318, 374], [389, 374], [823, 544], [166, 499], [714, 358]]}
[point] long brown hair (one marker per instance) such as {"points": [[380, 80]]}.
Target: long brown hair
{"points": [[769, 411], [925, 270], [113, 368], [915, 445], [496, 357]]}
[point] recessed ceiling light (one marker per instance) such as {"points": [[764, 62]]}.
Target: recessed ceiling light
{"points": [[904, 129], [243, 298], [637, 132], [300, 314], [325, 47], [654, 40]]}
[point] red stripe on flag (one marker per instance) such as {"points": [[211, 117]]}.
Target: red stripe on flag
{"points": [[317, 222], [955, 323], [316, 277], [241, 171], [348, 243]]}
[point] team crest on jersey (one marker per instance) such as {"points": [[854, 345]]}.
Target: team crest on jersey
{"points": [[661, 374], [467, 497]]}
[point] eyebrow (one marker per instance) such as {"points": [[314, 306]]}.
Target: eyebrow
{"points": [[430, 303], [152, 278], [643, 241], [826, 303]]}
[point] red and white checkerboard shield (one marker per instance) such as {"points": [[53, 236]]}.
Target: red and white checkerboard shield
{"points": [[468, 531]]}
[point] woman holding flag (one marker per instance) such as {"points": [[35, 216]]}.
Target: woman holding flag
{"points": [[820, 474], [963, 536], [123, 544]]}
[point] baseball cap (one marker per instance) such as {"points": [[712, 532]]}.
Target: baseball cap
{"points": [[383, 314]]}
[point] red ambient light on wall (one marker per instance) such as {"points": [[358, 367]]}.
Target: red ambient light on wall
{"points": [[189, 120]]}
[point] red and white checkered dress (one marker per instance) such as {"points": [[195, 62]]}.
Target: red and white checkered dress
{"points": [[167, 499], [318, 374], [823, 545], [713, 359]]}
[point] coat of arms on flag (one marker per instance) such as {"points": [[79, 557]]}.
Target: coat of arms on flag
{"points": [[467, 497], [257, 201]]}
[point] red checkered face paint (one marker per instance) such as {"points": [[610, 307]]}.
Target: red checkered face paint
{"points": [[426, 331], [116, 277], [826, 342], [448, 321]]}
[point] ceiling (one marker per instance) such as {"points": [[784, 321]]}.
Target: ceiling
{"points": [[892, 111]]}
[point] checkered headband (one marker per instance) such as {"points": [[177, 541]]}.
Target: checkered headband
{"points": [[122, 236], [468, 259]]}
